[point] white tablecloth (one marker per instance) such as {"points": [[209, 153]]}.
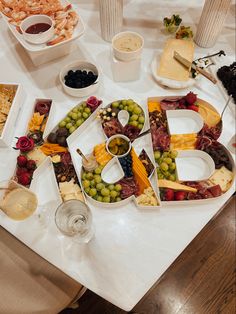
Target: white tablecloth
{"points": [[131, 249]]}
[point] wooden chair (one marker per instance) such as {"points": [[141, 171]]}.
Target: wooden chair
{"points": [[28, 283]]}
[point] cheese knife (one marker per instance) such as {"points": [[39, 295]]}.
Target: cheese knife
{"points": [[189, 65]]}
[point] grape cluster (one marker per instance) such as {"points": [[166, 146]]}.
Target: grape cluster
{"points": [[80, 79], [167, 166], [98, 189], [227, 74], [126, 164], [76, 117]]}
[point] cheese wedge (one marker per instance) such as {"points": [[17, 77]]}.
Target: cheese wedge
{"points": [[171, 68], [210, 117], [175, 186], [223, 177]]}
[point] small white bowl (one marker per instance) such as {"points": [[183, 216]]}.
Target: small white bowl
{"points": [[127, 55], [112, 138], [40, 38], [80, 92]]}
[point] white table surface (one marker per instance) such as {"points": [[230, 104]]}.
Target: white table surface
{"points": [[131, 249]]}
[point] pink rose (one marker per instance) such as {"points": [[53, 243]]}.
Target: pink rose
{"points": [[92, 102], [25, 144]]}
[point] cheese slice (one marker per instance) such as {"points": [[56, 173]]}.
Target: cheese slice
{"points": [[171, 68], [154, 106], [175, 186], [183, 141], [223, 177], [210, 117]]}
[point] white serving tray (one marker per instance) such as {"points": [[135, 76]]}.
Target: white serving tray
{"points": [[9, 127], [42, 53]]}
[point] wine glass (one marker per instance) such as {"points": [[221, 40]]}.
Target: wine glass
{"points": [[74, 219]]}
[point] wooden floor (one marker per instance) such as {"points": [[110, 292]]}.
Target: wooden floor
{"points": [[200, 281]]}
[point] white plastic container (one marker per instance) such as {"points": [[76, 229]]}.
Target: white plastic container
{"points": [[80, 92], [40, 54], [127, 55], [10, 124]]}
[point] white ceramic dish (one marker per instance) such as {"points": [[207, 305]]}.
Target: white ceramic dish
{"points": [[118, 136], [40, 54], [80, 65], [8, 130], [127, 55], [39, 38], [184, 121], [168, 82]]}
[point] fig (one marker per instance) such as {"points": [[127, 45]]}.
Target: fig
{"points": [[52, 138], [61, 140], [62, 132]]}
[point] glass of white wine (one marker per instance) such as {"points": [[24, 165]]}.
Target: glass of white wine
{"points": [[74, 219], [16, 201]]}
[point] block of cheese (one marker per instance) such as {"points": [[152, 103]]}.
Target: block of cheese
{"points": [[223, 177], [153, 105], [171, 68], [139, 172], [175, 186], [183, 141]]}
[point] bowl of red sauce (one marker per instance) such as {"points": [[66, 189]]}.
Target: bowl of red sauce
{"points": [[37, 29]]}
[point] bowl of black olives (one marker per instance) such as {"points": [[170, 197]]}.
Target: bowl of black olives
{"points": [[80, 78]]}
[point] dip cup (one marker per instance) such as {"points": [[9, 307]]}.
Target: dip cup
{"points": [[118, 136], [127, 55], [40, 38]]}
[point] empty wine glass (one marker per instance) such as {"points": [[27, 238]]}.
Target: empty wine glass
{"points": [[74, 219]]}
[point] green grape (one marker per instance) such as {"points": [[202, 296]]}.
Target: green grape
{"points": [[105, 192], [72, 129], [172, 166], [111, 187], [129, 102], [140, 126], [126, 108], [81, 109], [62, 124], [89, 176], [118, 187], [134, 117], [86, 184], [100, 186], [98, 170], [79, 122], [70, 114], [69, 125], [172, 177], [160, 176], [157, 154], [173, 154], [87, 110], [75, 110], [115, 104], [74, 116], [92, 183], [168, 160], [85, 115], [84, 177], [98, 179], [165, 154], [124, 102], [113, 194], [166, 174], [79, 114], [141, 119], [67, 119], [87, 190], [137, 110], [99, 198], [134, 123], [106, 199], [118, 199], [92, 192], [121, 107], [164, 166], [131, 108]]}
